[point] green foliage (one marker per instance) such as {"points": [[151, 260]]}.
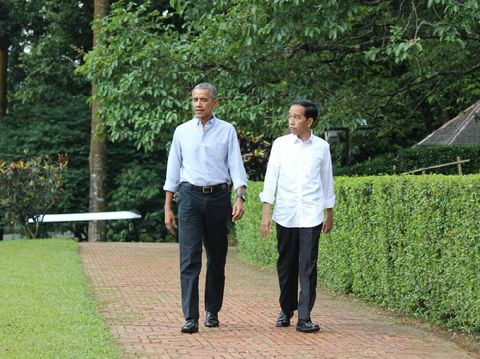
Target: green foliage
{"points": [[139, 189], [29, 189], [399, 68], [65, 128], [255, 151], [13, 14], [46, 308], [380, 165], [56, 36], [250, 242], [409, 159], [424, 156], [141, 80], [48, 131], [409, 243]]}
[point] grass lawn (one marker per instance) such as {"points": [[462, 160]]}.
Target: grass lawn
{"points": [[45, 307]]}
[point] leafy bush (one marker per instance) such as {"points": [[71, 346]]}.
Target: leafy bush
{"points": [[409, 243], [250, 243], [138, 189], [409, 159], [255, 151], [48, 130], [380, 165], [28, 189], [65, 128]]}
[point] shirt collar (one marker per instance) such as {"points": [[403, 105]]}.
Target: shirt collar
{"points": [[296, 139], [209, 123]]}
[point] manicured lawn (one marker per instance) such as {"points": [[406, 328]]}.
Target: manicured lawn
{"points": [[45, 307]]}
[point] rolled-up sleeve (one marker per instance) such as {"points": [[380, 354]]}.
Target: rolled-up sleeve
{"points": [[271, 177], [326, 174], [173, 165], [236, 169]]}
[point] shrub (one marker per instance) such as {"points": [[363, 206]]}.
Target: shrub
{"points": [[138, 189], [409, 243], [409, 159], [255, 151], [28, 189], [45, 131], [249, 240], [65, 128]]}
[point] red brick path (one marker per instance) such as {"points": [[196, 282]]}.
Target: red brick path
{"points": [[137, 288]]}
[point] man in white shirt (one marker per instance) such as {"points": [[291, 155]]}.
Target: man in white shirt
{"points": [[300, 173]]}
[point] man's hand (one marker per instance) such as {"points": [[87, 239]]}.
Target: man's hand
{"points": [[170, 221], [265, 225], [328, 222], [237, 210], [266, 222]]}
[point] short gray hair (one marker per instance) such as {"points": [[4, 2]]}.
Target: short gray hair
{"points": [[207, 86]]}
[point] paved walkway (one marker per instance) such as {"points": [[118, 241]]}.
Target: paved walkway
{"points": [[137, 288]]}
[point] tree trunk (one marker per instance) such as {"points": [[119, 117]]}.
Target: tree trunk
{"points": [[98, 149], [3, 79], [3, 90]]}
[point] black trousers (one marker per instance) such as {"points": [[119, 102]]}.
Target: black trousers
{"points": [[202, 218], [297, 260]]}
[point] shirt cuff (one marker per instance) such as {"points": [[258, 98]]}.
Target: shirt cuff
{"points": [[170, 187], [329, 202], [266, 198], [239, 184]]}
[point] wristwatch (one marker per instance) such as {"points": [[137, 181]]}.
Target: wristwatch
{"points": [[242, 196]]}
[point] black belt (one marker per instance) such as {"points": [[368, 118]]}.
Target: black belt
{"points": [[205, 189]]}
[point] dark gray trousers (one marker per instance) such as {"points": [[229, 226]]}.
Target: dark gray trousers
{"points": [[202, 217], [297, 260]]}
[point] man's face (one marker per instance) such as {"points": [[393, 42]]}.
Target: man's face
{"points": [[203, 104], [299, 124]]}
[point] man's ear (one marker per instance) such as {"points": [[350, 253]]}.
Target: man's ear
{"points": [[216, 103], [310, 122]]}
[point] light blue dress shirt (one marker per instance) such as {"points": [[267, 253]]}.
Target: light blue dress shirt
{"points": [[205, 156]]}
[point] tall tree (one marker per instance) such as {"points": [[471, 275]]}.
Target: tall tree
{"points": [[59, 35], [17, 26], [98, 147], [398, 68], [8, 28], [3, 77]]}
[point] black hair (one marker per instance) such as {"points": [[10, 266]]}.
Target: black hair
{"points": [[311, 109]]}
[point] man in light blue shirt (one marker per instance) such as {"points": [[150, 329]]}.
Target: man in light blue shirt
{"points": [[204, 161]]}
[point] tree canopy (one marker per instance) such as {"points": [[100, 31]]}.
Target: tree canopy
{"points": [[389, 71], [397, 68]]}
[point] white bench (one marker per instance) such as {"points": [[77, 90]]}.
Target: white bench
{"points": [[82, 217]]}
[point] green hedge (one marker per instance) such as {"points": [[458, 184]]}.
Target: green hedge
{"points": [[409, 243], [409, 159]]}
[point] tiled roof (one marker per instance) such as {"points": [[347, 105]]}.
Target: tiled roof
{"points": [[461, 130]]}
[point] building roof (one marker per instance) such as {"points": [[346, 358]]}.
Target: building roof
{"points": [[461, 130]]}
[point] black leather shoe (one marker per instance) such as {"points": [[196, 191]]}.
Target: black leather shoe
{"points": [[211, 320], [191, 326], [283, 319], [306, 326]]}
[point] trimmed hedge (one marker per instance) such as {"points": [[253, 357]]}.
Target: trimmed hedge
{"points": [[409, 243]]}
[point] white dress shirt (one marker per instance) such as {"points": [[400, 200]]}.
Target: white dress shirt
{"points": [[301, 174], [205, 156]]}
